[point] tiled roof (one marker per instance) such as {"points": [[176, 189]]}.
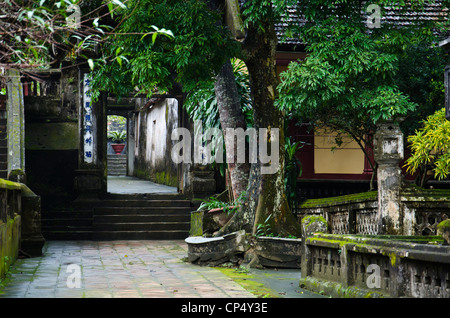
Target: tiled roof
{"points": [[390, 15]]}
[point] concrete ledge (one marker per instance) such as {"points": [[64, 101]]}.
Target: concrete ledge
{"points": [[216, 250], [279, 252], [9, 243], [336, 290]]}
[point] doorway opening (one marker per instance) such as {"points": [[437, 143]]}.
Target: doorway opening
{"points": [[117, 145], [143, 128]]}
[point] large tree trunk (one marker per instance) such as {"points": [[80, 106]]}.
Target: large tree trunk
{"points": [[231, 117], [266, 192]]}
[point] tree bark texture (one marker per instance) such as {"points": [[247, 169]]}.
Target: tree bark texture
{"points": [[231, 116], [266, 192]]}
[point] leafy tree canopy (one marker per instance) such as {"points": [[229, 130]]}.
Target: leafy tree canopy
{"points": [[42, 33], [351, 71], [190, 50], [430, 148]]}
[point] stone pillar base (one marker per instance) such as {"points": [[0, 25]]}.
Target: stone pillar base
{"points": [[88, 185]]}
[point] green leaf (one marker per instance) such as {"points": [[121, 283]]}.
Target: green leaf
{"points": [[91, 64]]}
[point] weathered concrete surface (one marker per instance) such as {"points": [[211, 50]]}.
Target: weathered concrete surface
{"points": [[9, 243], [138, 269], [16, 122], [278, 252], [32, 239], [152, 155], [216, 250], [117, 269], [388, 152], [131, 185]]}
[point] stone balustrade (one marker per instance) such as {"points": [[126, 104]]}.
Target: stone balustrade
{"points": [[20, 223]]}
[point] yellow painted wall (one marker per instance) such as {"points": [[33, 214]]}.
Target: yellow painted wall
{"points": [[349, 158]]}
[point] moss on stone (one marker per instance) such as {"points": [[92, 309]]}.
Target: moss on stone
{"points": [[196, 228], [336, 290], [357, 197], [416, 191], [9, 185], [444, 225], [249, 282], [166, 178], [307, 220]]}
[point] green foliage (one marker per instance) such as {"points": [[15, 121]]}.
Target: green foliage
{"points": [[193, 55], [117, 120], [117, 136], [41, 33], [273, 11], [430, 148], [228, 207], [353, 76], [420, 76], [264, 229], [201, 104], [292, 170], [349, 75]]}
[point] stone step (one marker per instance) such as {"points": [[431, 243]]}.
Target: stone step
{"points": [[117, 217], [142, 226], [139, 235], [117, 173], [78, 235], [116, 164], [117, 159], [66, 222], [141, 210], [61, 225], [141, 218], [112, 167], [146, 196], [145, 203]]}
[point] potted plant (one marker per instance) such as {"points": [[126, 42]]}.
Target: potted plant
{"points": [[118, 138], [276, 251], [221, 211]]}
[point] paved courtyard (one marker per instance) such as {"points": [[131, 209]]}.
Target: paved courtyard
{"points": [[116, 269], [130, 269]]}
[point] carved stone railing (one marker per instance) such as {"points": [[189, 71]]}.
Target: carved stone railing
{"points": [[421, 211], [355, 213], [376, 266], [20, 223], [424, 209], [10, 223]]}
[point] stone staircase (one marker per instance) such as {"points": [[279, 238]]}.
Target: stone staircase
{"points": [[135, 217], [3, 139], [117, 165], [3, 148], [122, 217], [66, 221]]}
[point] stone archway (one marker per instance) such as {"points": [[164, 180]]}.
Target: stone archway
{"points": [[155, 118]]}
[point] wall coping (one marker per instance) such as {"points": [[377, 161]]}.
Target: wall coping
{"points": [[9, 185], [340, 200]]}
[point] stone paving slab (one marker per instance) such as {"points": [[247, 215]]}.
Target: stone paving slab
{"points": [[116, 269], [132, 185]]}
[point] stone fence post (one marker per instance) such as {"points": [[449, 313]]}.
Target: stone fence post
{"points": [[388, 152], [15, 126]]}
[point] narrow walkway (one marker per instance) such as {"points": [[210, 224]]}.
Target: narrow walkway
{"points": [[131, 185]]}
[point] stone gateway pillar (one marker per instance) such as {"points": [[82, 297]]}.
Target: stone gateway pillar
{"points": [[388, 152], [15, 127], [90, 182]]}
